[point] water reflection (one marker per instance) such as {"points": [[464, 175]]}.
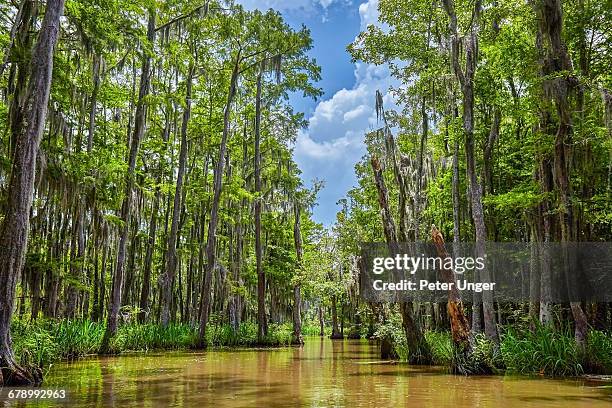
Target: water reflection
{"points": [[322, 373]]}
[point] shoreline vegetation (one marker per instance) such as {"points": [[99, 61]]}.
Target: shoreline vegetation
{"points": [[544, 351]]}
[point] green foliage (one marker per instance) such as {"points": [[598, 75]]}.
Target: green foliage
{"points": [[598, 353], [543, 351], [392, 332], [313, 329], [77, 338], [486, 353], [246, 335], [224, 335], [412, 37], [33, 344], [136, 337], [97, 91], [44, 342], [441, 345]]}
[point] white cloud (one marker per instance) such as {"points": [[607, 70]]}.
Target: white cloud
{"points": [[334, 140], [355, 113], [337, 126], [369, 13]]}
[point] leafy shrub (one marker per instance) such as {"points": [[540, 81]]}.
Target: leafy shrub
{"points": [[392, 332]]}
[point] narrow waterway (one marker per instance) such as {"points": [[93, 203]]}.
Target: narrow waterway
{"points": [[323, 373]]}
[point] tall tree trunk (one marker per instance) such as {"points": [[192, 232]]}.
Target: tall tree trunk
{"points": [[488, 151], [417, 346], [545, 179], [460, 328], [146, 277], [131, 263], [126, 207], [102, 284], [171, 261], [211, 241], [419, 183], [335, 329], [97, 61], [321, 321], [235, 299], [456, 198], [297, 297], [534, 280], [261, 277], [558, 83], [96, 265], [190, 278], [35, 280], [50, 275], [14, 228], [76, 254], [466, 79]]}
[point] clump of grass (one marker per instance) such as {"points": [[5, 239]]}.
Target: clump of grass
{"points": [[36, 347], [543, 351], [246, 335], [43, 342], [77, 338], [441, 346], [598, 353], [315, 330], [279, 335], [144, 337], [224, 335]]}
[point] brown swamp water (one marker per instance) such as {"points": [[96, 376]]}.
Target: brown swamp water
{"points": [[323, 373]]}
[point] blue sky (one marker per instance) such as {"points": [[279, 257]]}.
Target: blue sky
{"points": [[333, 142]]}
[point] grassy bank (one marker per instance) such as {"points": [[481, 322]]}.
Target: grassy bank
{"points": [[46, 341], [550, 352], [545, 351]]}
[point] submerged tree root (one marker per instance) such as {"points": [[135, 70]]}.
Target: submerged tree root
{"points": [[13, 374]]}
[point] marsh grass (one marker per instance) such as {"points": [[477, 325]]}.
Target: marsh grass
{"points": [[44, 342], [598, 353], [246, 335], [144, 337], [542, 351], [441, 346], [315, 330]]}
